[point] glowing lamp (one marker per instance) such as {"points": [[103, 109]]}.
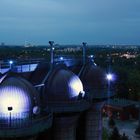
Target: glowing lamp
{"points": [[91, 56], [109, 77], [11, 62], [95, 64], [61, 58]]}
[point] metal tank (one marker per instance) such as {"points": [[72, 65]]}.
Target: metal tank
{"points": [[63, 95], [20, 112]]}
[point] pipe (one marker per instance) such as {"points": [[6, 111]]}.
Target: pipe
{"points": [[52, 55], [84, 52]]}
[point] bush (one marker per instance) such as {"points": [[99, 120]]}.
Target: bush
{"points": [[104, 134], [115, 134]]}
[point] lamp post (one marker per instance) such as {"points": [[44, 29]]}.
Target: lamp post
{"points": [[110, 78], [10, 62], [10, 108], [61, 58]]}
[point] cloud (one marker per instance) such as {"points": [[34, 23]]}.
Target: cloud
{"points": [[76, 20]]}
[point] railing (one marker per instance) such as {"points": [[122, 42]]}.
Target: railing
{"points": [[27, 127], [19, 121], [30, 65]]}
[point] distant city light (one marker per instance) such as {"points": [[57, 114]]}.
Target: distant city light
{"points": [[91, 56], [109, 77], [10, 62], [53, 48]]}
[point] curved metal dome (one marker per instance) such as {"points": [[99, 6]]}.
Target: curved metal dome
{"points": [[93, 77], [95, 82], [63, 85], [18, 97]]}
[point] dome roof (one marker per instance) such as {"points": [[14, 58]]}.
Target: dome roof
{"points": [[93, 77], [63, 85], [95, 82], [17, 96]]}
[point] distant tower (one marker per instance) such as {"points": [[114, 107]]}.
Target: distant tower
{"points": [[63, 94], [20, 113]]}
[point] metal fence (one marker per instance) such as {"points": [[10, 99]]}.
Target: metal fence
{"points": [[20, 120]]}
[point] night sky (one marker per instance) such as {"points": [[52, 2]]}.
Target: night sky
{"points": [[70, 21]]}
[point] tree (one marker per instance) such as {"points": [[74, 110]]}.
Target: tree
{"points": [[111, 122], [124, 137], [115, 134]]}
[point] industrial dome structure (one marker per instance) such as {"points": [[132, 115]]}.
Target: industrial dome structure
{"points": [[75, 100], [95, 81], [18, 95], [93, 75], [63, 94], [63, 85], [20, 108], [98, 88]]}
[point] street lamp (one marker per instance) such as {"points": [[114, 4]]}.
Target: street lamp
{"points": [[109, 77], [10, 62], [61, 58], [91, 56], [10, 108]]}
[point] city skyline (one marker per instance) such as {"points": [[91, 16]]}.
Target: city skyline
{"points": [[70, 22]]}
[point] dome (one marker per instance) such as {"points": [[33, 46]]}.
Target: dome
{"points": [[18, 97], [93, 77], [63, 85]]}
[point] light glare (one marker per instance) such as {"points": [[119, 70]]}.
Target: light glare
{"points": [[61, 58], [17, 99], [76, 86], [10, 62], [109, 77]]}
